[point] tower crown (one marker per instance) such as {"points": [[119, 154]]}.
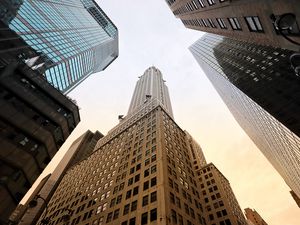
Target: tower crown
{"points": [[150, 85]]}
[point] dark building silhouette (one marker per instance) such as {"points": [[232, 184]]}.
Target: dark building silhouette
{"points": [[81, 148], [35, 120]]}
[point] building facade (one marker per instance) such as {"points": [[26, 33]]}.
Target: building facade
{"points": [[141, 172], [251, 21], [262, 92], [81, 148], [254, 218], [218, 198], [35, 120], [73, 38]]}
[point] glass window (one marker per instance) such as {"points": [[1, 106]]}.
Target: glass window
{"points": [[201, 3], [134, 205], [211, 2], [153, 215], [254, 24], [153, 197], [145, 200], [126, 209], [221, 23], [235, 25], [144, 218]]}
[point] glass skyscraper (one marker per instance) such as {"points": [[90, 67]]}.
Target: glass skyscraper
{"points": [[262, 92], [74, 37]]}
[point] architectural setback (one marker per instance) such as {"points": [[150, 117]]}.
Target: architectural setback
{"points": [[146, 170], [254, 21], [74, 38], [254, 218]]}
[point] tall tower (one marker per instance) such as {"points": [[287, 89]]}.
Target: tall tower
{"points": [[73, 39], [141, 172], [262, 92], [150, 85]]}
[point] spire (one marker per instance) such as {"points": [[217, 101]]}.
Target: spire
{"points": [[150, 85]]}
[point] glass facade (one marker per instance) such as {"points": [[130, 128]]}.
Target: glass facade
{"points": [[75, 37], [262, 93]]}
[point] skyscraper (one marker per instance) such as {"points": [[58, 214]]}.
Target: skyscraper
{"points": [[256, 21], [81, 148], [143, 171], [35, 120], [262, 92], [254, 218], [73, 38]]}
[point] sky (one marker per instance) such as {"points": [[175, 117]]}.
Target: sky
{"points": [[150, 35]]}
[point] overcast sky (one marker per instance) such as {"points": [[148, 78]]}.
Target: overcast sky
{"points": [[149, 34]]}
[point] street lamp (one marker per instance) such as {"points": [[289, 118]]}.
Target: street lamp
{"points": [[34, 202]]}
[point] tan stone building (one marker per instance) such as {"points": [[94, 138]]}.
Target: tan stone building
{"points": [[253, 217], [252, 21], [219, 201], [142, 172]]}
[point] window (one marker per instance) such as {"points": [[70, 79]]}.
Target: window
{"points": [[136, 190], [153, 196], [144, 218], [186, 207], [130, 181], [126, 209], [133, 205], [221, 23], [128, 194], [116, 214], [178, 202], [235, 25], [153, 181], [132, 221], [153, 215], [109, 217], [174, 216], [254, 24], [146, 185], [211, 2], [119, 199], [180, 219], [137, 178], [172, 198], [153, 158], [212, 24], [112, 203], [146, 173], [131, 170], [201, 3], [145, 200], [147, 162]]}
